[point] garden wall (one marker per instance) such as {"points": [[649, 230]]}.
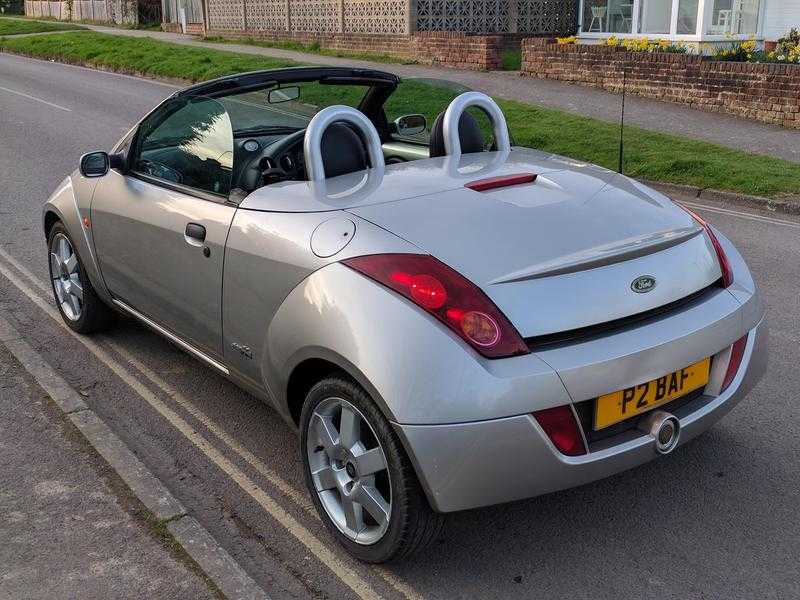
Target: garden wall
{"points": [[446, 48], [763, 92]]}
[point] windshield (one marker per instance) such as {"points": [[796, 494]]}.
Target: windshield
{"points": [[287, 108]]}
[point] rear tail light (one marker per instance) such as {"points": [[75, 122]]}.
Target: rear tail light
{"points": [[724, 263], [737, 353], [451, 298], [561, 427]]}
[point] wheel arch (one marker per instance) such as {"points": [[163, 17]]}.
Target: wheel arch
{"points": [[314, 365], [70, 204], [303, 377], [310, 371], [49, 219]]}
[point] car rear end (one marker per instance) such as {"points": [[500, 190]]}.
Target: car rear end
{"points": [[642, 327], [556, 445]]}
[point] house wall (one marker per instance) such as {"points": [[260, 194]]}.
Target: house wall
{"points": [[457, 33], [779, 17], [763, 92], [393, 17]]}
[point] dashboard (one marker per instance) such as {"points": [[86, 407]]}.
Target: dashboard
{"points": [[272, 157]]}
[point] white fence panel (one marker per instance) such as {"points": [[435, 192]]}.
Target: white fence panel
{"points": [[82, 10]]}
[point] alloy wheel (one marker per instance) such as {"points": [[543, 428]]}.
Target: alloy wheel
{"points": [[65, 273], [349, 471]]}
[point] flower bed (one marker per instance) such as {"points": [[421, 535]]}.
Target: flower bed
{"points": [[763, 92]]}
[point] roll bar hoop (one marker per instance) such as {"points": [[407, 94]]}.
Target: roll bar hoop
{"points": [[312, 143], [452, 116]]}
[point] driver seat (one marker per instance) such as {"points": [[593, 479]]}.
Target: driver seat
{"points": [[343, 150], [468, 130]]}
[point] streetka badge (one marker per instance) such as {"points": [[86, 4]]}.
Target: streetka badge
{"points": [[643, 284]]}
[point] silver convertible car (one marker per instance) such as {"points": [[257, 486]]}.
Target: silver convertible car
{"points": [[449, 320]]}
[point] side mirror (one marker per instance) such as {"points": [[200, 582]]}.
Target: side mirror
{"points": [[97, 164], [284, 94], [410, 125]]}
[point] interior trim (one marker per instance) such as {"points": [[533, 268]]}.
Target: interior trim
{"points": [[405, 150], [172, 337]]}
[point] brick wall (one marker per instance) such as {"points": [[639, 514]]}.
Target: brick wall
{"points": [[763, 92], [446, 48], [459, 50]]}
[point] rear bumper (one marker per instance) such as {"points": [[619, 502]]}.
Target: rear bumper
{"points": [[480, 463]]}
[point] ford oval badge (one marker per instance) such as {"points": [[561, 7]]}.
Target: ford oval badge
{"points": [[643, 284]]}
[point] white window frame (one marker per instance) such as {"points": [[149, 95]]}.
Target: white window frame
{"points": [[704, 13]]}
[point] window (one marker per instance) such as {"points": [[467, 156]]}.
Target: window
{"points": [[265, 108], [734, 17], [608, 16], [188, 142], [687, 17], [655, 16]]}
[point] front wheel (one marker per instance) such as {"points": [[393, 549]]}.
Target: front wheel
{"points": [[78, 303], [360, 479]]}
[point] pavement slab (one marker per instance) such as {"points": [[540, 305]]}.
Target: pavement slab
{"points": [[69, 528]]}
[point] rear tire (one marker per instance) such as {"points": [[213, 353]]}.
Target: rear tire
{"points": [[365, 461], [80, 307]]}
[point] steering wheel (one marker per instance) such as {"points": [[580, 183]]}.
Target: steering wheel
{"points": [[266, 166], [160, 170]]}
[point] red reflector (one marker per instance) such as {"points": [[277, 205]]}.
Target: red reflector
{"points": [[737, 353], [560, 426], [491, 183]]}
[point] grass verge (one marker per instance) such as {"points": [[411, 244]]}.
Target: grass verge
{"points": [[314, 48], [139, 56], [648, 155], [17, 25]]}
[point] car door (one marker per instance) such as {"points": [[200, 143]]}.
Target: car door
{"points": [[160, 228]]}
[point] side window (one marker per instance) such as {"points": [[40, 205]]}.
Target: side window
{"points": [[188, 142]]}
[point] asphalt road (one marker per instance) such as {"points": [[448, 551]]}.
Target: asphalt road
{"points": [[715, 519]]}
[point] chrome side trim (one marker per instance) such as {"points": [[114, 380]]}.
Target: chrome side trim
{"points": [[406, 150], [172, 337]]}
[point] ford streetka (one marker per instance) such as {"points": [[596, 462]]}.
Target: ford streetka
{"points": [[449, 320]]}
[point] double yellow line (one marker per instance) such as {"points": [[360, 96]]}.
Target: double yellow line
{"points": [[341, 567]]}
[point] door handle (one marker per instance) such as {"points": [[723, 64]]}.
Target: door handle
{"points": [[195, 234]]}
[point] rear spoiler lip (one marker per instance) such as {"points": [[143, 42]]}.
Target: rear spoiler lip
{"points": [[599, 257]]}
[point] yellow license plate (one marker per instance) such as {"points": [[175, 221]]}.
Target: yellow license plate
{"points": [[624, 404]]}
